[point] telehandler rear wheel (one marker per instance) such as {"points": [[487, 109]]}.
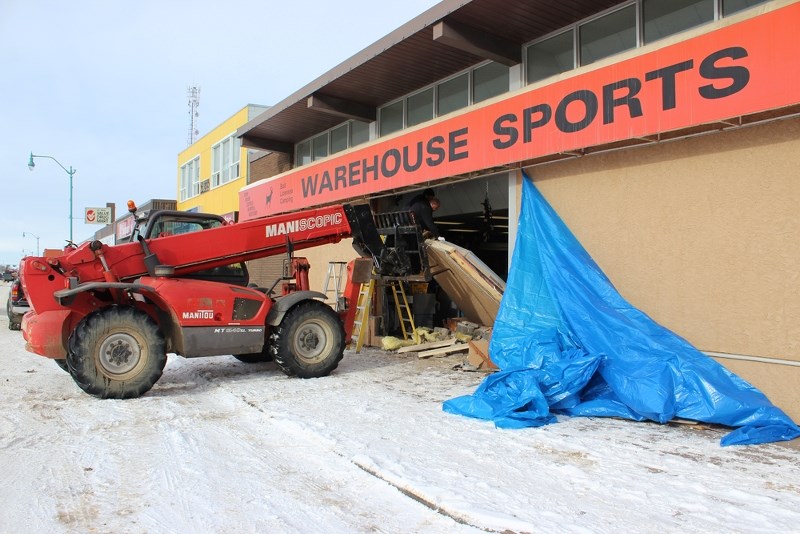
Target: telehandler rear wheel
{"points": [[309, 342], [116, 353]]}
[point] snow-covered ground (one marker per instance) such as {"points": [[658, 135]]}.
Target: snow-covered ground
{"points": [[221, 446]]}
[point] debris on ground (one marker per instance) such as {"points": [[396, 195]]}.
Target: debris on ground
{"points": [[469, 338]]}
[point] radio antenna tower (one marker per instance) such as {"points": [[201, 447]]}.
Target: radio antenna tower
{"points": [[193, 93]]}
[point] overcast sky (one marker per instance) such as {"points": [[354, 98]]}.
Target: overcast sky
{"points": [[101, 85]]}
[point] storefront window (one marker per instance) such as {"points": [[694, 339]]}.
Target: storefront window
{"points": [[551, 56], [732, 6], [488, 81], [666, 18], [391, 118], [608, 35], [419, 108], [453, 94]]}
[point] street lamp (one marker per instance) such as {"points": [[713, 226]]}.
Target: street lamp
{"points": [[69, 171], [25, 234]]}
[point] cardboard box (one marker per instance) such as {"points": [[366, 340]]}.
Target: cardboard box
{"points": [[478, 355]]}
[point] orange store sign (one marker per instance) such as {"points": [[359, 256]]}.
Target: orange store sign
{"points": [[744, 68]]}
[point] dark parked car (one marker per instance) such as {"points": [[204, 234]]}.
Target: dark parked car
{"points": [[17, 305], [8, 276]]}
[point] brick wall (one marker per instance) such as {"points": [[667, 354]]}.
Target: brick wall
{"points": [[268, 166]]}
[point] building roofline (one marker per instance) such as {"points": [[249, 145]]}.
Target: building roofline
{"points": [[420, 22]]}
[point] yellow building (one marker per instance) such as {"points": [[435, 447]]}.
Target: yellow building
{"points": [[213, 169]]}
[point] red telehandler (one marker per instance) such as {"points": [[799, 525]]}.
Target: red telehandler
{"points": [[109, 315]]}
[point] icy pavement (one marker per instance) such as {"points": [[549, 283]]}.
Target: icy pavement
{"points": [[221, 446]]}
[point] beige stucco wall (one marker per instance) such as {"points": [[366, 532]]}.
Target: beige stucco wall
{"points": [[702, 235], [319, 257]]}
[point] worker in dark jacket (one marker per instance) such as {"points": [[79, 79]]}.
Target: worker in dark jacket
{"points": [[423, 206]]}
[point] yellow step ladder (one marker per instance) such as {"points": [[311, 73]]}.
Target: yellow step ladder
{"points": [[360, 324], [333, 282], [402, 308]]}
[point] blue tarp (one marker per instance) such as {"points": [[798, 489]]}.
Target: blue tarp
{"points": [[568, 343]]}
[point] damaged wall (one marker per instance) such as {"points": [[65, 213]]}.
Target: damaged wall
{"points": [[700, 234]]}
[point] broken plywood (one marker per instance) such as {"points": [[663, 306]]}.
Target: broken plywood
{"points": [[478, 355], [475, 288]]}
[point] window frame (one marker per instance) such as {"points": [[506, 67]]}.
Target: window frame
{"points": [[309, 141], [643, 23], [226, 157], [435, 96], [637, 31], [719, 14]]}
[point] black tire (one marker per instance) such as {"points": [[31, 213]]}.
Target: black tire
{"points": [[309, 342], [14, 320], [116, 353], [62, 362]]}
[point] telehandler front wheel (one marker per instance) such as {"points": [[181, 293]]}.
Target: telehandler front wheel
{"points": [[116, 353], [309, 342]]}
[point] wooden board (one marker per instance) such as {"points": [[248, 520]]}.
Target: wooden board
{"points": [[427, 346], [475, 288], [444, 350]]}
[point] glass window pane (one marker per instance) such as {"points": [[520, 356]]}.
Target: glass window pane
{"points": [[226, 160], [732, 6], [303, 153], [665, 18], [608, 35], [391, 118], [551, 56], [320, 144], [338, 138], [237, 149], [184, 182], [216, 161], [453, 94], [489, 80], [236, 146], [194, 169], [359, 132], [419, 107]]}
